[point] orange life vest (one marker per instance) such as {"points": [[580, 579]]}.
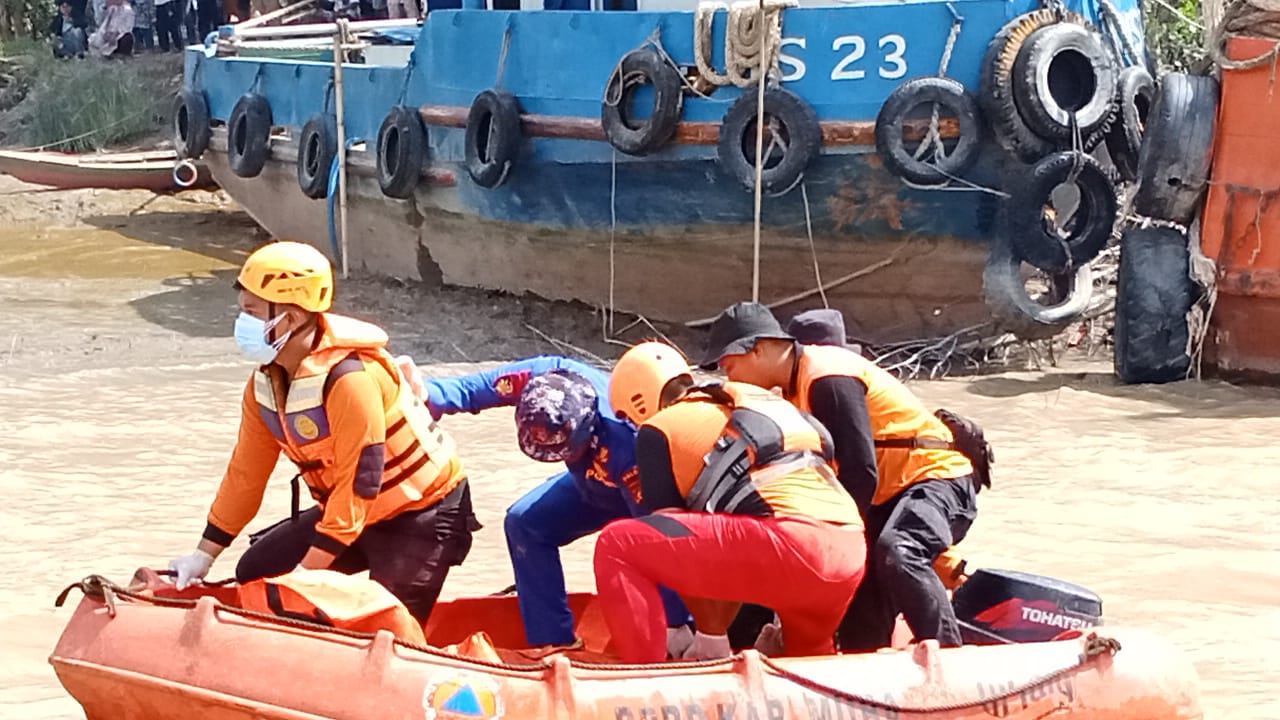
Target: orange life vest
{"points": [[329, 598], [739, 449], [421, 464], [897, 419]]}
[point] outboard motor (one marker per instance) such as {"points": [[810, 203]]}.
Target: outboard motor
{"points": [[1005, 606]]}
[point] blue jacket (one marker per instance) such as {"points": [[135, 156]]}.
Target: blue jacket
{"points": [[604, 472]]}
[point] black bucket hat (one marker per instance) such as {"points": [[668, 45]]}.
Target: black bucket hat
{"points": [[824, 326], [736, 331]]}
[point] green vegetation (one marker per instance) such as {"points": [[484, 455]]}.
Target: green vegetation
{"points": [[79, 105], [76, 105], [17, 69], [1173, 34], [22, 19]]}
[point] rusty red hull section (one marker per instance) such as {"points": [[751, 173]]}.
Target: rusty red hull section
{"points": [[1241, 223]]}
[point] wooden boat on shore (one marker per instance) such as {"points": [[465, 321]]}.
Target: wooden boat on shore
{"points": [[149, 651], [159, 171]]}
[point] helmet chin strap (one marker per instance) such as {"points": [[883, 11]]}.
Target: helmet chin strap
{"points": [[789, 389], [273, 321]]}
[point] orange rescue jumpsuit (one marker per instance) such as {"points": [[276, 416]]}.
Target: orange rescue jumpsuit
{"points": [[390, 488]]}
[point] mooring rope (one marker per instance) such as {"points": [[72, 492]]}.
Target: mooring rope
{"points": [[1246, 18], [813, 248], [754, 27], [613, 235]]}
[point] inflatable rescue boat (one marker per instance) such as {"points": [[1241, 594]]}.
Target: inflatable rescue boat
{"points": [[150, 651]]}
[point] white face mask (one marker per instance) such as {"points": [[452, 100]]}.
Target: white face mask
{"points": [[251, 336]]}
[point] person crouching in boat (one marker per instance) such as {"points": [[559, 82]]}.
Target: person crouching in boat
{"points": [[391, 493], [745, 509], [894, 457], [562, 415], [825, 326]]}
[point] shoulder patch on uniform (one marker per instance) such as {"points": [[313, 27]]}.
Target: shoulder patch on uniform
{"points": [[631, 480], [512, 384]]}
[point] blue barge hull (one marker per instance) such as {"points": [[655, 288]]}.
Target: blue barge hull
{"points": [[678, 225]]}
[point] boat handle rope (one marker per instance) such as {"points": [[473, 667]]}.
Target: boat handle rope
{"points": [[94, 586], [1095, 646], [101, 589]]}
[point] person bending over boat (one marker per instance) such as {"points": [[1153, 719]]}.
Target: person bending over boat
{"points": [[918, 495], [825, 326], [562, 415], [392, 496], [745, 509]]}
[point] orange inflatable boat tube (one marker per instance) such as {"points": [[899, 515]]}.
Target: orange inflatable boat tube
{"points": [[162, 655]]}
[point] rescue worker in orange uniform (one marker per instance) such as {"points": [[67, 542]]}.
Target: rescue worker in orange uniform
{"points": [[746, 509], [917, 493], [391, 493], [825, 326]]}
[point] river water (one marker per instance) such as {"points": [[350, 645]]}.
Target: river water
{"points": [[120, 384]]}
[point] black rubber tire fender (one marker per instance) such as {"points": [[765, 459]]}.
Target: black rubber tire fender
{"points": [[1015, 311], [249, 135], [789, 119], [1134, 99], [996, 89], [1154, 294], [401, 152], [635, 70], [317, 147], [1177, 148], [1095, 216], [191, 124], [493, 137], [1065, 71], [957, 101]]}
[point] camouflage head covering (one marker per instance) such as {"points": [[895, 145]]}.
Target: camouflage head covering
{"points": [[555, 416]]}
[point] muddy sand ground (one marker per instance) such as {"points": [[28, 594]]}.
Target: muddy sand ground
{"points": [[120, 383]]}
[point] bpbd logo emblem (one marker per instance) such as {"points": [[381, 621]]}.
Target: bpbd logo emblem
{"points": [[463, 698]]}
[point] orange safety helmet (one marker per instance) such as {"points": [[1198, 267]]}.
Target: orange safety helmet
{"points": [[635, 387], [289, 273]]}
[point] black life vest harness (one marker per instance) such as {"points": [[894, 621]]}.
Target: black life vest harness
{"points": [[753, 450]]}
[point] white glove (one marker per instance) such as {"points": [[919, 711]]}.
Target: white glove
{"points": [[409, 369], [191, 568], [679, 639], [708, 647]]}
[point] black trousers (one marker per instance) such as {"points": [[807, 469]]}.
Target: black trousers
{"points": [[904, 536], [208, 18], [410, 554], [187, 18], [169, 25]]}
